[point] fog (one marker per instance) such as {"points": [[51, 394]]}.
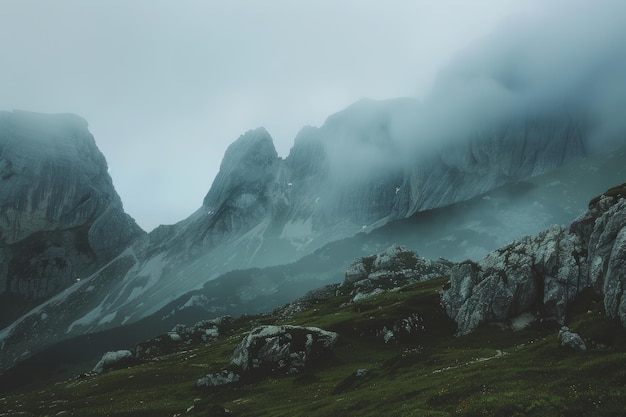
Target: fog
{"points": [[565, 61], [166, 86]]}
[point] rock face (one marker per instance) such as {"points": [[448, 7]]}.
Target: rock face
{"points": [[545, 272], [283, 348], [60, 216], [392, 268]]}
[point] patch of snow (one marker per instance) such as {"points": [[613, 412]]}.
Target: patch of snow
{"points": [[298, 232], [108, 318], [196, 300], [151, 271], [136, 292], [87, 319]]}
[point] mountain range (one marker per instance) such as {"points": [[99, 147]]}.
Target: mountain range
{"points": [[74, 263]]}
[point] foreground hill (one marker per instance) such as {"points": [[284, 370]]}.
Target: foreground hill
{"points": [[395, 349]]}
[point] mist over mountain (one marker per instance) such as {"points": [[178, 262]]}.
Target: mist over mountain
{"points": [[60, 217], [533, 97]]}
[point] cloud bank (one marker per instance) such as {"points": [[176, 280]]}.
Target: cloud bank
{"points": [[567, 60]]}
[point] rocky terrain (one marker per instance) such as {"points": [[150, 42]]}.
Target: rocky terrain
{"points": [[264, 210], [392, 338], [544, 273]]}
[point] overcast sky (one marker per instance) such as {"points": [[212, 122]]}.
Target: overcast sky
{"points": [[166, 86]]}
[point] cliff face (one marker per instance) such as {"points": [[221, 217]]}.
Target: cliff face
{"points": [[359, 171], [544, 273], [59, 214]]}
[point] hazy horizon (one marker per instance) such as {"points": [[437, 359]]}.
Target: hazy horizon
{"points": [[167, 87]]}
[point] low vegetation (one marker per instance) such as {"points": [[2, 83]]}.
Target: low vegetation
{"points": [[424, 371]]}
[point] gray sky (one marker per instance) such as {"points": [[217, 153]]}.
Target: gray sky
{"points": [[167, 86]]}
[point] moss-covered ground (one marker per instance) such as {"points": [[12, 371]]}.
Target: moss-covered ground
{"points": [[428, 372]]}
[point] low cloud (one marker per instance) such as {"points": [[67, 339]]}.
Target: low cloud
{"points": [[566, 61]]}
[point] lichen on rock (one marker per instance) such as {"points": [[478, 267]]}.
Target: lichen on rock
{"points": [[286, 349]]}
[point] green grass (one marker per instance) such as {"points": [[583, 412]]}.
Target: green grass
{"points": [[430, 372]]}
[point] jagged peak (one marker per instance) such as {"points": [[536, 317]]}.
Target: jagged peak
{"points": [[254, 142], [245, 163]]}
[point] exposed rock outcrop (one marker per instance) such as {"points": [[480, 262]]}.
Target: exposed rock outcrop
{"points": [[392, 268], [181, 336], [571, 340], [547, 271], [283, 348]]}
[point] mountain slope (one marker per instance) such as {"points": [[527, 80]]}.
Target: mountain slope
{"points": [[396, 352], [359, 171], [467, 229]]}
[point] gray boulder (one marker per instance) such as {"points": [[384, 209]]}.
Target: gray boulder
{"points": [[286, 349], [571, 340], [114, 360], [217, 379], [392, 268], [547, 271]]}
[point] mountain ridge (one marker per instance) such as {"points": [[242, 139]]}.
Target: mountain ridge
{"points": [[298, 204]]}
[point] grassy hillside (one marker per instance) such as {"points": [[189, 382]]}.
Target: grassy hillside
{"points": [[428, 372]]}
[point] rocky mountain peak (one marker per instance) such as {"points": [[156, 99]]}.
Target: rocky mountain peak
{"points": [[59, 212], [249, 164]]}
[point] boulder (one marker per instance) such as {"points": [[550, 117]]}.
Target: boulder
{"points": [[216, 379], [114, 360], [287, 349], [568, 339], [181, 336]]}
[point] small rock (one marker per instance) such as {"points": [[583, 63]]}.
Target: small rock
{"points": [[220, 378], [111, 360], [571, 340]]}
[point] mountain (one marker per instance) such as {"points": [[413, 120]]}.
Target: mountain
{"points": [[390, 339], [361, 170], [60, 217]]}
